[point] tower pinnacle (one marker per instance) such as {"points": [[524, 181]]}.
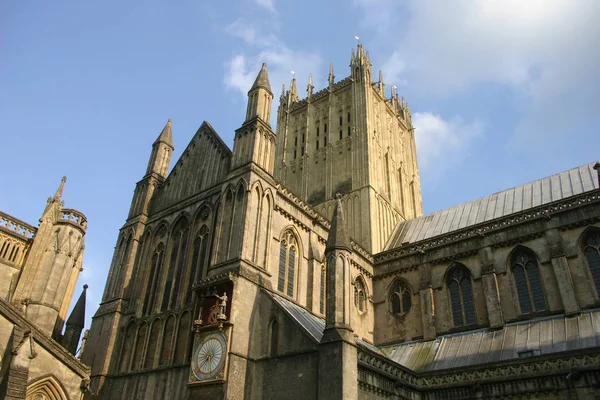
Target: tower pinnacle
{"points": [[260, 97], [58, 194]]}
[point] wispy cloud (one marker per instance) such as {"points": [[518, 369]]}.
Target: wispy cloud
{"points": [[267, 4], [545, 52], [437, 137]]}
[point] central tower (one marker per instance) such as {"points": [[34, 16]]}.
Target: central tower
{"points": [[349, 138]]}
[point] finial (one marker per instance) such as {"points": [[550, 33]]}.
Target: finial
{"points": [[331, 76], [357, 39], [310, 79], [169, 121], [380, 76], [283, 90], [85, 286]]}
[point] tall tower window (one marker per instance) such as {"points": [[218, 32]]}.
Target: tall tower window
{"points": [[400, 298], [360, 296], [592, 254], [155, 267], [180, 238], [461, 296], [322, 292], [527, 279], [288, 250]]}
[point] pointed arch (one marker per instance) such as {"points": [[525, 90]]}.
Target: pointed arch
{"points": [[179, 243], [47, 387], [237, 220], [225, 224], [199, 257], [126, 348], [290, 253], [589, 243], [256, 204], [156, 263], [140, 343], [399, 297], [273, 343], [183, 335], [167, 341], [153, 341], [460, 291], [525, 270], [360, 294]]}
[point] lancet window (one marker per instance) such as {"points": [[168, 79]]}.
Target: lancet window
{"points": [[288, 261], [528, 282], [198, 260], [360, 296], [592, 254], [400, 298], [461, 296]]}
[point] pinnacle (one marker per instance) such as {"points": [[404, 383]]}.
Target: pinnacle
{"points": [[77, 317], [338, 234], [59, 191], [166, 135], [262, 80]]}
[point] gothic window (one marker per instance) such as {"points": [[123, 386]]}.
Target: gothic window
{"points": [[317, 144], [360, 296], [175, 265], [325, 140], [198, 260], [592, 254], [528, 282], [349, 132], [400, 298], [139, 346], [322, 293], [288, 250], [152, 344], [461, 296], [294, 154], [341, 134], [302, 151], [317, 131], [348, 116], [341, 122], [325, 128], [155, 267]]}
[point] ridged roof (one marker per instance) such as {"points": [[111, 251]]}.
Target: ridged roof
{"points": [[309, 322], [516, 340], [543, 191]]}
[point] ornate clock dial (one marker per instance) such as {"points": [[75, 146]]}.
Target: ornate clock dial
{"points": [[209, 356]]}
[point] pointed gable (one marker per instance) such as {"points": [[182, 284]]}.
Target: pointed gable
{"points": [[204, 163]]}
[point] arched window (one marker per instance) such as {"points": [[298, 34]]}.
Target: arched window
{"points": [[360, 296], [152, 344], [139, 346], [167, 341], [155, 267], [592, 254], [198, 260], [527, 279], [400, 298], [322, 294], [461, 296], [288, 251]]}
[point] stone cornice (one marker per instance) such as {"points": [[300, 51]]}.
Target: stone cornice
{"points": [[542, 212], [49, 344]]}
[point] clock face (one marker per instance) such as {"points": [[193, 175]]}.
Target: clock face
{"points": [[209, 356]]}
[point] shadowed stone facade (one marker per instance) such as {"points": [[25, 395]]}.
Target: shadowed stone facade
{"points": [[39, 269], [300, 266]]}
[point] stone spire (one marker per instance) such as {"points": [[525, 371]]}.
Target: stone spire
{"points": [[260, 97], [293, 90], [381, 84], [262, 80], [75, 324], [331, 76], [338, 234], [58, 194], [310, 87], [166, 136], [162, 148]]}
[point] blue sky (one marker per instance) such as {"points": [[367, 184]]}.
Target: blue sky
{"points": [[501, 92]]}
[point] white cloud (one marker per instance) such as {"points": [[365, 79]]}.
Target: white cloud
{"points": [[436, 138], [261, 46], [546, 52], [267, 4]]}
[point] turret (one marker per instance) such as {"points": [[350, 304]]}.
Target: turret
{"points": [[260, 97], [75, 324], [360, 65], [160, 157], [255, 141], [48, 278]]}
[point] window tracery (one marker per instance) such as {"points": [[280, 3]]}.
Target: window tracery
{"points": [[528, 282], [592, 255], [400, 298], [288, 250], [461, 296], [360, 296]]}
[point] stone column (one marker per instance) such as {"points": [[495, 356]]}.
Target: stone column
{"points": [[427, 303], [490, 288]]}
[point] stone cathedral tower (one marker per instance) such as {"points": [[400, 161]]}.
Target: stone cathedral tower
{"points": [[350, 138]]}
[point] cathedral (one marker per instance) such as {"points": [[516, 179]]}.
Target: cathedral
{"points": [[39, 268], [299, 265]]}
